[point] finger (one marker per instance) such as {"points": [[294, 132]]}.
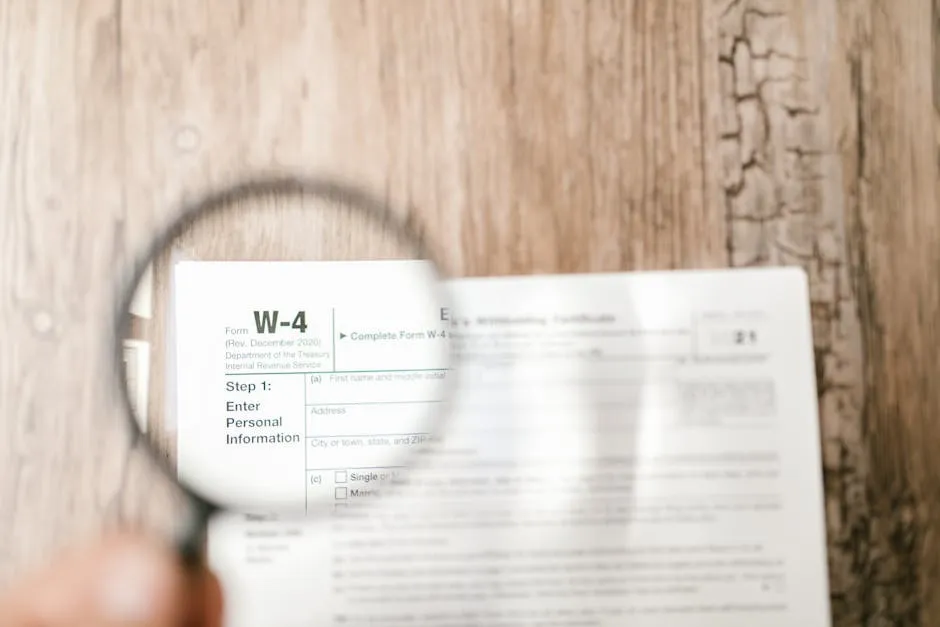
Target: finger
{"points": [[207, 601], [124, 580]]}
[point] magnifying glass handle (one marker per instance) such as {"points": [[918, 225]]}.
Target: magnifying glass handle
{"points": [[191, 536]]}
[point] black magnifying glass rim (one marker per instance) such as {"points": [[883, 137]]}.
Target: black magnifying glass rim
{"points": [[218, 200]]}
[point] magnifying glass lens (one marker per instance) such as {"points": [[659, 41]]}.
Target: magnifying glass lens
{"points": [[286, 350]]}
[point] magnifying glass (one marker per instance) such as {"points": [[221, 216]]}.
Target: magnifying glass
{"points": [[283, 350]]}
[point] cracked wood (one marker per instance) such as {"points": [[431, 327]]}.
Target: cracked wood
{"points": [[798, 182]]}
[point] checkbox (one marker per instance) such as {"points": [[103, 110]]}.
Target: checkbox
{"points": [[340, 507], [340, 476], [340, 493]]}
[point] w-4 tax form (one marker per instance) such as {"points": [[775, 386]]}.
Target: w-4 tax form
{"points": [[623, 449]]}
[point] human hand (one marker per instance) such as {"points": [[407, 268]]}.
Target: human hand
{"points": [[120, 580]]}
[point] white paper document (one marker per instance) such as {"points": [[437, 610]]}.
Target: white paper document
{"points": [[621, 450], [283, 367]]}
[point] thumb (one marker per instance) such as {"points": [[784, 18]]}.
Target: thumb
{"points": [[122, 580]]}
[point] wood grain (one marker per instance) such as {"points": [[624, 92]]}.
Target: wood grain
{"points": [[64, 460], [521, 136]]}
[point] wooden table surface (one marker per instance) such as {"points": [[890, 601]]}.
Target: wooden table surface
{"points": [[525, 137]]}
